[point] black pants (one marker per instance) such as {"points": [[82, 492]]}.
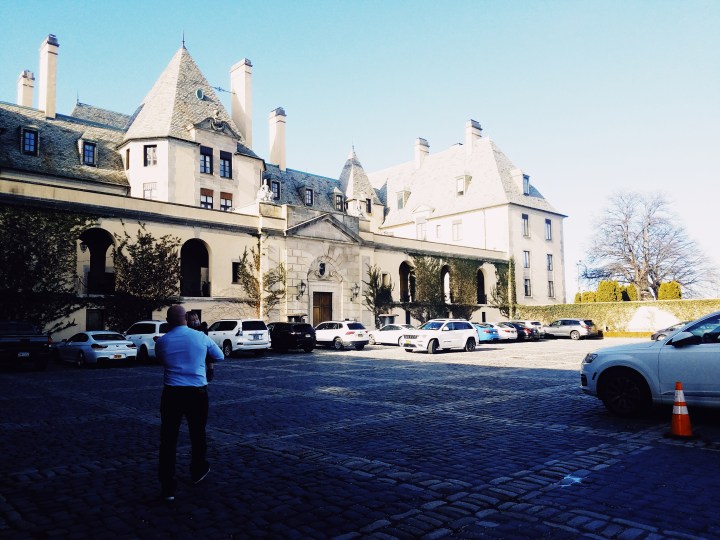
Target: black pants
{"points": [[176, 402]]}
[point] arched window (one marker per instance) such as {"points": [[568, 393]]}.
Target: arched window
{"points": [[194, 269], [95, 257], [407, 282], [445, 277]]}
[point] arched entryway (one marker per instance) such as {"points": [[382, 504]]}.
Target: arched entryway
{"points": [[481, 295], [194, 269], [96, 260], [445, 280]]}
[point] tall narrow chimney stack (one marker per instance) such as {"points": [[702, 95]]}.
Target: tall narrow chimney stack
{"points": [[241, 98], [473, 131], [422, 149], [277, 138], [47, 100], [25, 86]]}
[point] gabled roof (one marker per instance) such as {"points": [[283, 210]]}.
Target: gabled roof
{"points": [[59, 152], [433, 184], [354, 181], [180, 97], [293, 184], [324, 226]]}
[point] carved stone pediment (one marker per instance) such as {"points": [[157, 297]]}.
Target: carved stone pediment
{"points": [[323, 269], [324, 227], [216, 125]]}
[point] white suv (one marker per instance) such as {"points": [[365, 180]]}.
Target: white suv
{"points": [[341, 334], [441, 334], [233, 335], [144, 334]]}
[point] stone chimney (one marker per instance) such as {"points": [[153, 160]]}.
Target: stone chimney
{"points": [[25, 86], [47, 100], [422, 149], [473, 131], [277, 138], [241, 98]]}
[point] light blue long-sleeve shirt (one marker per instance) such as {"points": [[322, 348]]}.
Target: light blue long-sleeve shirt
{"points": [[182, 352]]}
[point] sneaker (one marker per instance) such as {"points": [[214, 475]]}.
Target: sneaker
{"points": [[200, 477]]}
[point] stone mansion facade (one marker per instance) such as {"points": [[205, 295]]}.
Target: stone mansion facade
{"points": [[183, 165]]}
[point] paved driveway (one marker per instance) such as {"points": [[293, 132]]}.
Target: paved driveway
{"points": [[380, 443]]}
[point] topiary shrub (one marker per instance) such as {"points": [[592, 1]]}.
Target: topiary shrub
{"points": [[669, 291], [630, 293], [588, 296], [608, 291]]}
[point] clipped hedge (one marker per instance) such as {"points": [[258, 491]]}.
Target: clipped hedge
{"points": [[615, 316]]}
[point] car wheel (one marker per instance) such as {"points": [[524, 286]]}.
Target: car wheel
{"points": [[432, 346], [337, 344], [227, 349], [624, 392], [400, 341], [470, 345], [575, 335], [359, 347], [81, 360], [372, 340], [143, 355], [308, 349]]}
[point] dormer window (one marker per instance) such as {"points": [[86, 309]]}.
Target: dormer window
{"points": [[368, 206], [29, 142], [339, 204], [526, 184], [275, 188], [402, 198], [461, 185], [308, 197], [89, 153]]}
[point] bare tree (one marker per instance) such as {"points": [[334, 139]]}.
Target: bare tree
{"points": [[638, 240], [264, 292]]}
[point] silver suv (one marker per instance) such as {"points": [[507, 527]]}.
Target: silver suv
{"points": [[144, 334], [572, 328], [233, 335], [441, 334]]}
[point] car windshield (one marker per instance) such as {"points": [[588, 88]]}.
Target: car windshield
{"points": [[432, 325]]}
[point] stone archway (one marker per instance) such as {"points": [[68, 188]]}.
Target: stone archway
{"points": [[96, 259], [194, 269], [481, 295]]}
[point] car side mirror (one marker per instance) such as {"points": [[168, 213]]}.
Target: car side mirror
{"points": [[682, 339]]}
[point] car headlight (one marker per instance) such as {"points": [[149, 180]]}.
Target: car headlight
{"points": [[589, 358]]}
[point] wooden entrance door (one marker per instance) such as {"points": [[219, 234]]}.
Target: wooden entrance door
{"points": [[322, 307]]}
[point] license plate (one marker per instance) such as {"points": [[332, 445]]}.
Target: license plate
{"points": [[255, 336], [360, 334], [23, 355], [307, 335], [116, 356]]}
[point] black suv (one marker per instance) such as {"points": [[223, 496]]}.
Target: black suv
{"points": [[288, 335]]}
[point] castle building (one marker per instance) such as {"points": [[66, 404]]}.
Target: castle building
{"points": [[182, 165]]}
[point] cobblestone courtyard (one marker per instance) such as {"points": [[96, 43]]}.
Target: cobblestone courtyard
{"points": [[380, 443]]}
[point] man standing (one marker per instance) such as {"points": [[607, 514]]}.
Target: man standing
{"points": [[182, 352]]}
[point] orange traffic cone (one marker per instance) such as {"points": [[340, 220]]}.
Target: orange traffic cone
{"points": [[680, 418]]}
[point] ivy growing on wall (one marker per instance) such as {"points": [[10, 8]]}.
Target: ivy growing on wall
{"points": [[504, 296], [463, 287]]}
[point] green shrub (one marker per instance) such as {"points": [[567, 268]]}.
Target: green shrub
{"points": [[608, 291], [630, 293], [669, 291], [588, 296], [578, 297]]}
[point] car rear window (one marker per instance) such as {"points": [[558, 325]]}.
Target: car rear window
{"points": [[142, 328], [355, 326], [108, 337], [303, 328], [253, 325], [164, 328], [589, 322]]}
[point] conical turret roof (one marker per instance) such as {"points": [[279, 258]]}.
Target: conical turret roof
{"points": [[180, 97], [354, 182]]}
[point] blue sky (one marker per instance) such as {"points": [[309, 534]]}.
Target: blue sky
{"points": [[588, 97]]}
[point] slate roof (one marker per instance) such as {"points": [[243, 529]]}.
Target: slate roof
{"points": [[433, 185], [83, 111], [172, 103], [59, 151], [293, 184]]}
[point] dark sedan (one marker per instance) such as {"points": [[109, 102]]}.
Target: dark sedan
{"points": [[525, 333]]}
